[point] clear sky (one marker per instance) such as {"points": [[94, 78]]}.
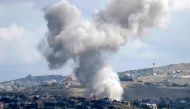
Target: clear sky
{"points": [[22, 27]]}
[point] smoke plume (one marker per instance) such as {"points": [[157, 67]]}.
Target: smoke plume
{"points": [[71, 36]]}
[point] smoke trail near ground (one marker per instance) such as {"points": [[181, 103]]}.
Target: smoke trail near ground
{"points": [[71, 36]]}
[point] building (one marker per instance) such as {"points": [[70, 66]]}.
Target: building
{"points": [[152, 106], [70, 78]]}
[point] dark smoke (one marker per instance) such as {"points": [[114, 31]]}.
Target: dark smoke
{"points": [[71, 36]]}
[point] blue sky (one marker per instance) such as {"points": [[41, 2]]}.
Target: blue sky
{"points": [[22, 27]]}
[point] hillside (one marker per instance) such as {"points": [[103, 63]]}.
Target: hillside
{"points": [[140, 91], [170, 75], [29, 81]]}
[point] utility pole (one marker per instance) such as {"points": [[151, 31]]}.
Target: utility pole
{"points": [[153, 64]]}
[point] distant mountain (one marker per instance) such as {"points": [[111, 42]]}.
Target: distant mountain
{"points": [[173, 74]]}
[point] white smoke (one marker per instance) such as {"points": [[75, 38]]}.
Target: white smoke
{"points": [[71, 36], [180, 5]]}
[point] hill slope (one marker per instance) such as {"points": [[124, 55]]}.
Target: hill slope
{"points": [[174, 74], [29, 81]]}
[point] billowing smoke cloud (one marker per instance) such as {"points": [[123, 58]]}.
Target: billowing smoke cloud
{"points": [[71, 36]]}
